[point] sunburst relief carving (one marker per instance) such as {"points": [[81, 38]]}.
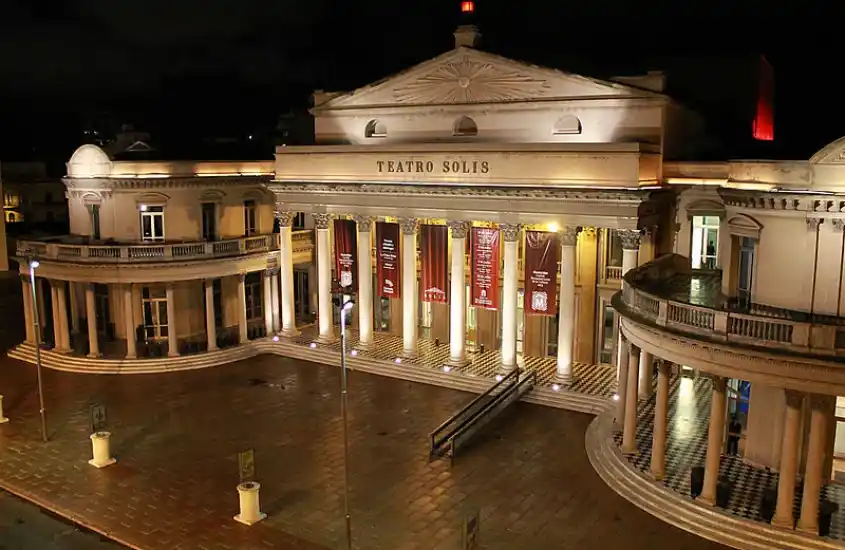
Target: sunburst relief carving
{"points": [[468, 81]]}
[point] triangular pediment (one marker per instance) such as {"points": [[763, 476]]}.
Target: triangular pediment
{"points": [[466, 75]]}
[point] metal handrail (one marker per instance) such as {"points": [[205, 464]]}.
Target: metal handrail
{"points": [[508, 379], [482, 415]]}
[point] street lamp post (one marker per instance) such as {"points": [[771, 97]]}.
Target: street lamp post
{"points": [[347, 306], [33, 265]]}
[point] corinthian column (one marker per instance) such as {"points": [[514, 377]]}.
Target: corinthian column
{"points": [[286, 273], [566, 313], [630, 251], [409, 286], [324, 278], [457, 295], [808, 521], [365, 282], [788, 460], [715, 434], [510, 233]]}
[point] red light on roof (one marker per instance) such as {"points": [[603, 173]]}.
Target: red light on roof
{"points": [[467, 7]]}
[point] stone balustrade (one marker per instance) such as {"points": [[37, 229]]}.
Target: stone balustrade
{"points": [[669, 294], [65, 250]]}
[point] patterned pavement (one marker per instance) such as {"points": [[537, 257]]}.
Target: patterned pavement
{"points": [[689, 415], [176, 438]]}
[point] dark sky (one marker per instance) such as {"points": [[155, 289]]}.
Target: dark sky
{"points": [[179, 65]]}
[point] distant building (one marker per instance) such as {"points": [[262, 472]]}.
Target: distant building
{"points": [[31, 196]]}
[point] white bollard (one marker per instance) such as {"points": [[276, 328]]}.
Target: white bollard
{"points": [[100, 448], [3, 419], [250, 507]]}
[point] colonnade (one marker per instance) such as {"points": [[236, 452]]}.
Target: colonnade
{"points": [[458, 230], [634, 361]]}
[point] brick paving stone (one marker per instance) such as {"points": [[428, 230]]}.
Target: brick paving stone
{"points": [[176, 437]]}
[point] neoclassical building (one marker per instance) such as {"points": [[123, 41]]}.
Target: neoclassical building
{"points": [[505, 210]]}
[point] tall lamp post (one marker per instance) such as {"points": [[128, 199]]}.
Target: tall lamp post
{"points": [[347, 306], [33, 265]]}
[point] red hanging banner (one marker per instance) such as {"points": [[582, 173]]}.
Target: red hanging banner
{"points": [[485, 267], [434, 246], [541, 259], [346, 255], [388, 260]]}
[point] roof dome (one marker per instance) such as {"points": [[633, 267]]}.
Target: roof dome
{"points": [[89, 161], [832, 153]]}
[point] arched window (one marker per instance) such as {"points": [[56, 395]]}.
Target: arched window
{"points": [[375, 128], [567, 125], [465, 126]]}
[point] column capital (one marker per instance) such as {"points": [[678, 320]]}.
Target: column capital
{"points": [[241, 277], [813, 224], [664, 367], [794, 398], [630, 239], [818, 402], [270, 271], [632, 349], [569, 235], [364, 223], [322, 220], [459, 228], [285, 217], [510, 231], [720, 384], [409, 225], [838, 224], [589, 232]]}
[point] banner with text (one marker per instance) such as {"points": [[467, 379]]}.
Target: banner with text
{"points": [[434, 245], [541, 258], [346, 255], [387, 260], [485, 267]]}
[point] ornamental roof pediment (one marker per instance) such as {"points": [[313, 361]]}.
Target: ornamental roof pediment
{"points": [[466, 75]]}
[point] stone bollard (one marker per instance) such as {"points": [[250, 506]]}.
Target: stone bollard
{"points": [[250, 507], [100, 447], [3, 419]]}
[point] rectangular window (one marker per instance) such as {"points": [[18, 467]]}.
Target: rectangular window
{"points": [[209, 221], [613, 252], [705, 242], [606, 352], [95, 220], [299, 221], [745, 280], [252, 285], [152, 223], [154, 302], [250, 225]]}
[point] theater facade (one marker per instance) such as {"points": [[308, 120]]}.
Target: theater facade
{"points": [[478, 209]]}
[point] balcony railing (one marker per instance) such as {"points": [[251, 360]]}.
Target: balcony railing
{"points": [[612, 273], [651, 292], [157, 252]]}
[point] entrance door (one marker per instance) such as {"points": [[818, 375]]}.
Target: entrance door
{"points": [[209, 221]]}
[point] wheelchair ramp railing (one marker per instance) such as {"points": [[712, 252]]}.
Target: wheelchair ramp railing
{"points": [[459, 430]]}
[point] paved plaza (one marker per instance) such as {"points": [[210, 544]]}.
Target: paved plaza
{"points": [[177, 435]]}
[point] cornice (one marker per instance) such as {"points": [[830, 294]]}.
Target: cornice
{"points": [[633, 197], [783, 202], [129, 184]]}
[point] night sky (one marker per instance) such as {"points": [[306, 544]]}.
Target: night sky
{"points": [[193, 67]]}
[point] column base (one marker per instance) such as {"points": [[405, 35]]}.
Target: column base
{"points": [[410, 354], [326, 339], [3, 419], [212, 348], [657, 476], [133, 356], [239, 519], [62, 350], [783, 523], [709, 501], [173, 354], [365, 346], [457, 363], [630, 452], [96, 464], [807, 529], [563, 379], [94, 355], [289, 333]]}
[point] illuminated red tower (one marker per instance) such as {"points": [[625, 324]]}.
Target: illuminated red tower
{"points": [[763, 127], [467, 7]]}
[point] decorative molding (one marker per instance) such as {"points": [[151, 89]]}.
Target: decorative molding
{"points": [[630, 239], [409, 225], [813, 224], [466, 80], [569, 235], [322, 220], [285, 217], [621, 197], [364, 223], [510, 231], [459, 229], [743, 225]]}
